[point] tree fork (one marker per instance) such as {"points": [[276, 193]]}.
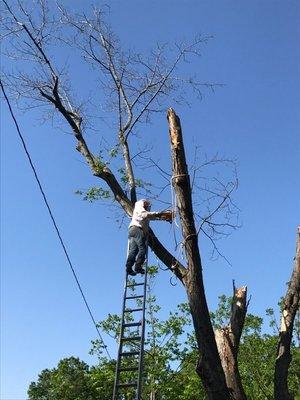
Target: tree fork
{"points": [[209, 366]]}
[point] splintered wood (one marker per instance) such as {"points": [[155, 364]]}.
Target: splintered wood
{"points": [[174, 127]]}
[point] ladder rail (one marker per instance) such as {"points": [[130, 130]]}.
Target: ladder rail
{"points": [[141, 356], [123, 339], [118, 363]]}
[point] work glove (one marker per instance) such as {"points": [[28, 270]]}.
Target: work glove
{"points": [[167, 215]]}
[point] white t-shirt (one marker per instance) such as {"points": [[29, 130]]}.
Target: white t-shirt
{"points": [[141, 216]]}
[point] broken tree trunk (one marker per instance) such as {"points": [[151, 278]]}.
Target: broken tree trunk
{"points": [[209, 366], [290, 307], [228, 340]]}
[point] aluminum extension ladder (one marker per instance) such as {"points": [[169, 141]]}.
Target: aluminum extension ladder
{"points": [[129, 367]]}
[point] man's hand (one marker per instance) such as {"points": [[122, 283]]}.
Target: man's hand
{"points": [[167, 215]]}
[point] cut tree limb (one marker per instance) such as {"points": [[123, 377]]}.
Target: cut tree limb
{"points": [[228, 340], [290, 308]]}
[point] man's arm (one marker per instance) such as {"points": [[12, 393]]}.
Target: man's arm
{"points": [[162, 216]]}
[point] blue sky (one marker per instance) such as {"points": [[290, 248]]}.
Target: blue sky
{"points": [[254, 117]]}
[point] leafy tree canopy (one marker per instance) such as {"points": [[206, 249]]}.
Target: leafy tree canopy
{"points": [[170, 359]]}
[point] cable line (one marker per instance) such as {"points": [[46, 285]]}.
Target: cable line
{"points": [[53, 219]]}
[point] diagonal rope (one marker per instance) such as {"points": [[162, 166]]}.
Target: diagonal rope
{"points": [[53, 219]]}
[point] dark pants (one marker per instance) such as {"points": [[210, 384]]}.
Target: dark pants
{"points": [[137, 247]]}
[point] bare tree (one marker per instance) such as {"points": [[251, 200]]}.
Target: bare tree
{"points": [[134, 87]]}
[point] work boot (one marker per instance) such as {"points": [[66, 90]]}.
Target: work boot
{"points": [[130, 271], [139, 270]]}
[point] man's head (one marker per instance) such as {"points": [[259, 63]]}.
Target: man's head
{"points": [[147, 205], [142, 204]]}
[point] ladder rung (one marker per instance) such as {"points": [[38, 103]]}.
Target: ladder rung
{"points": [[129, 368], [133, 309], [128, 339], [135, 297], [129, 384], [135, 284], [130, 353], [130, 324]]}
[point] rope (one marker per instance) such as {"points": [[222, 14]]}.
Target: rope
{"points": [[183, 243], [179, 176], [174, 208], [178, 246], [52, 218]]}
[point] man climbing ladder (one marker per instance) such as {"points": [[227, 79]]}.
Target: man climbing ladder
{"points": [[129, 365], [138, 234]]}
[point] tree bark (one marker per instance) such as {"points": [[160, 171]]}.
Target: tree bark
{"points": [[128, 166], [228, 340], [209, 366], [290, 307], [166, 257]]}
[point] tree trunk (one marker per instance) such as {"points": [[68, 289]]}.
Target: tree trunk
{"points": [[290, 307], [209, 366], [228, 340]]}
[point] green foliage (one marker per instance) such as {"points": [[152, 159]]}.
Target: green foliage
{"points": [[170, 359], [99, 164], [139, 183], [94, 193], [69, 381], [256, 364], [102, 379], [221, 316], [123, 176], [114, 152]]}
